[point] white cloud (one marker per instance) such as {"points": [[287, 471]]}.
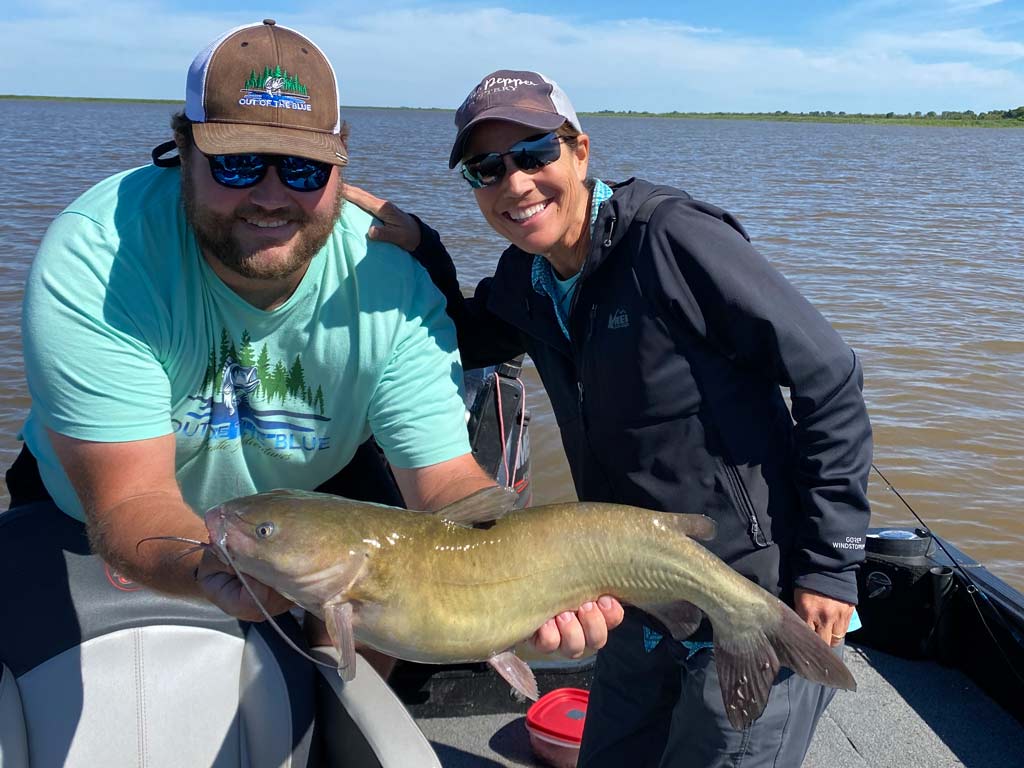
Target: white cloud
{"points": [[970, 5], [415, 56], [961, 42]]}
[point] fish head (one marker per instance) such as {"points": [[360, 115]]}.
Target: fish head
{"points": [[293, 548]]}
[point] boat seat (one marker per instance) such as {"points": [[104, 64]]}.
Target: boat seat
{"points": [[98, 671]]}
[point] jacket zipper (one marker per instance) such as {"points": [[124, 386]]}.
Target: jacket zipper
{"points": [[609, 229], [583, 346], [739, 491]]}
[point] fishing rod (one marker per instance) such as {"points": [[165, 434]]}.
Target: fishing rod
{"points": [[972, 587]]}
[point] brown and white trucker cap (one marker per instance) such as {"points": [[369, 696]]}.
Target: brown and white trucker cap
{"points": [[263, 88], [524, 98]]}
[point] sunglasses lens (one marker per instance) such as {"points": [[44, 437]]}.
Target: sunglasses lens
{"points": [[237, 171], [484, 170], [528, 155], [468, 175], [303, 175], [244, 171], [532, 154]]}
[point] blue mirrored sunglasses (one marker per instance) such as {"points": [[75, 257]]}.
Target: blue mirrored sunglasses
{"points": [[527, 155], [243, 171]]}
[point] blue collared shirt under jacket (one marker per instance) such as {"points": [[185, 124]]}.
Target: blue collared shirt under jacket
{"points": [[547, 283]]}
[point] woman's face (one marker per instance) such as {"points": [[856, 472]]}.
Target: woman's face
{"points": [[541, 211]]}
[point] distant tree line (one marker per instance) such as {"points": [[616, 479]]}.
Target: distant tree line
{"points": [[965, 115]]}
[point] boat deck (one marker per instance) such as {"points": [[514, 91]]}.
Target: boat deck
{"points": [[905, 714]]}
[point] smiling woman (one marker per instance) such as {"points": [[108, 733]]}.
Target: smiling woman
{"points": [[663, 338]]}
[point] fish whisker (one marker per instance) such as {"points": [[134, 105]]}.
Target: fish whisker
{"points": [[245, 583], [201, 547], [198, 544]]}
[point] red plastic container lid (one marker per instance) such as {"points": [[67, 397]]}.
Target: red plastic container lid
{"points": [[560, 714]]}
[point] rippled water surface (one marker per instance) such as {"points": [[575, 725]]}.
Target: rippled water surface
{"points": [[910, 240]]}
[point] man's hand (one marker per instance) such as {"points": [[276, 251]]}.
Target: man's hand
{"points": [[219, 584], [828, 617], [396, 226], [572, 633]]}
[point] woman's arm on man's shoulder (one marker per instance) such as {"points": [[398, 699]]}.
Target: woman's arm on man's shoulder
{"points": [[484, 339]]}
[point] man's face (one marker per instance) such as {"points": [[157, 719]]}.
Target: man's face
{"points": [[264, 232]]}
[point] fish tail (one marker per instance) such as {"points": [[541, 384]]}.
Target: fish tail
{"points": [[748, 663], [799, 648]]}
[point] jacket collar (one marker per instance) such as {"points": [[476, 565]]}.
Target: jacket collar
{"points": [[512, 296], [513, 299]]}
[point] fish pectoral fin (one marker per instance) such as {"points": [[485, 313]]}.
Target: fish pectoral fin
{"points": [[680, 618], [700, 527], [517, 673], [483, 506], [338, 618]]}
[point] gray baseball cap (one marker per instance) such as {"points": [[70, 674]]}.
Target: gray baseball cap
{"points": [[515, 96]]}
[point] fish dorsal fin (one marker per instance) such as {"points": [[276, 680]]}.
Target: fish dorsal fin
{"points": [[483, 506], [699, 527], [294, 494]]}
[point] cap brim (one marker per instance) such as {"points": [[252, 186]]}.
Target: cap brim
{"points": [[542, 120], [239, 138]]}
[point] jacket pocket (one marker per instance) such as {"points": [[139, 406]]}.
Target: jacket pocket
{"points": [[736, 489]]}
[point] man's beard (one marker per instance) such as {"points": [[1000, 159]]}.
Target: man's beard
{"points": [[213, 232]]}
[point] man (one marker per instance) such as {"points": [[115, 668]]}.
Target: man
{"points": [[196, 335]]}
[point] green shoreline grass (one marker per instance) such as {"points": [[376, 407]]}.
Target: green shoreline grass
{"points": [[17, 97], [962, 120], [854, 119]]}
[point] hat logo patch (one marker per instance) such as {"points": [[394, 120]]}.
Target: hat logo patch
{"points": [[505, 83], [275, 88], [496, 84]]}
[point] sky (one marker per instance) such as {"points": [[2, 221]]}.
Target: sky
{"points": [[734, 56]]}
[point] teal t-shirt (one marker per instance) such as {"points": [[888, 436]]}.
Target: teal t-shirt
{"points": [[128, 335]]}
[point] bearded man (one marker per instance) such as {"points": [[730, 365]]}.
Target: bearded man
{"points": [[218, 324]]}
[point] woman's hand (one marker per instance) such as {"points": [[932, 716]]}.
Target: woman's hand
{"points": [[396, 226]]}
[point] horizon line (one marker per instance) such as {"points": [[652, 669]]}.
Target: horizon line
{"points": [[817, 113]]}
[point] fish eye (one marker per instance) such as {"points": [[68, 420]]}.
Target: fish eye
{"points": [[265, 530]]}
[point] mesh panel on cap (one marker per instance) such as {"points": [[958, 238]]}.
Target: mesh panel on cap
{"points": [[195, 84], [562, 103]]}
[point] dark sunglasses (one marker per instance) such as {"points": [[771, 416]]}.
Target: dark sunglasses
{"points": [[243, 171], [527, 155]]}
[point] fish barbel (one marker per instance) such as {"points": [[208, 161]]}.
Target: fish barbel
{"points": [[433, 588]]}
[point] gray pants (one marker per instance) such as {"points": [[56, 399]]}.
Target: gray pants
{"points": [[660, 709]]}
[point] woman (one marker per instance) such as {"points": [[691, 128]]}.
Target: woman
{"points": [[662, 338]]}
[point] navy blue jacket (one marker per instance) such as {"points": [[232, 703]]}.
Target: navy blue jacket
{"points": [[668, 394]]}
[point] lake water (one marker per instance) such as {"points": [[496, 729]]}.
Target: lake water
{"points": [[910, 240]]}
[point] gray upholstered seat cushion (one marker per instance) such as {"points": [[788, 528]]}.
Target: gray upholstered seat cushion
{"points": [[159, 695]]}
